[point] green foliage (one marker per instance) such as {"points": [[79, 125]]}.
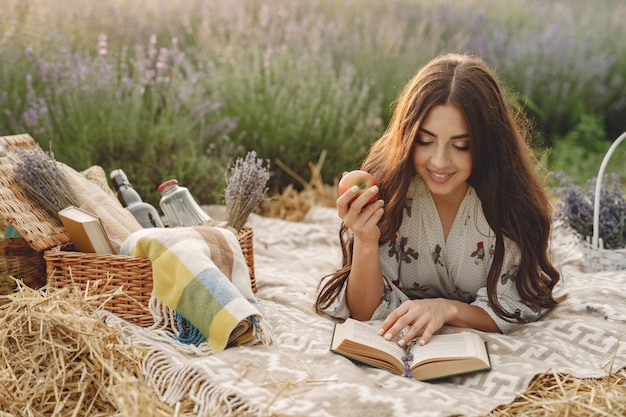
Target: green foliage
{"points": [[180, 88], [579, 153], [296, 109], [141, 110]]}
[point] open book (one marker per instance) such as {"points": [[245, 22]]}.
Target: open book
{"points": [[85, 230], [443, 356]]}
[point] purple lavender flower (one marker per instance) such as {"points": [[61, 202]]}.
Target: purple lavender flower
{"points": [[406, 360], [43, 181], [102, 45], [245, 189], [30, 117], [576, 209]]}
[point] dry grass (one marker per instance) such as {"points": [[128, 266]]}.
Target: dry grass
{"points": [[58, 358], [554, 394], [293, 204]]}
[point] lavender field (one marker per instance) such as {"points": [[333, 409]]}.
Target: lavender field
{"points": [[179, 88]]}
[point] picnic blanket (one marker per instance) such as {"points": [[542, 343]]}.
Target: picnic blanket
{"points": [[201, 274], [298, 375]]}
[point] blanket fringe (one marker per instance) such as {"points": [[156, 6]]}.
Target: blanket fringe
{"points": [[176, 381], [263, 332], [187, 332], [163, 316]]}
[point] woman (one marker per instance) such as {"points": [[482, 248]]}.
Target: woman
{"points": [[463, 237]]}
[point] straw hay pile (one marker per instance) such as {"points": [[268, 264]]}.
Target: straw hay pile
{"points": [[553, 394], [292, 204], [58, 358]]}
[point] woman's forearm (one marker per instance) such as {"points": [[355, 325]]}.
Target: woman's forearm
{"points": [[470, 316], [365, 283]]}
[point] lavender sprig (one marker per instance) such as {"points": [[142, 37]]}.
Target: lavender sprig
{"points": [[245, 189], [576, 209], [43, 181], [407, 359]]}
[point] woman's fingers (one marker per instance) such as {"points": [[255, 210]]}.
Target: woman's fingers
{"points": [[356, 211], [395, 322], [355, 199], [426, 335], [413, 319]]}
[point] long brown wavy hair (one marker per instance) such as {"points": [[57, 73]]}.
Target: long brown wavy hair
{"points": [[503, 175]]}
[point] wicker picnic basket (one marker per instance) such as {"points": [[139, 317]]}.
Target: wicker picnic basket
{"points": [[597, 258], [246, 241], [21, 258], [84, 271], [20, 261]]}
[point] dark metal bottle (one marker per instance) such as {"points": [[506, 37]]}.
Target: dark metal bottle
{"points": [[145, 213]]}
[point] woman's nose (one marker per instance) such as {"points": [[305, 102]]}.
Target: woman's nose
{"points": [[440, 158]]}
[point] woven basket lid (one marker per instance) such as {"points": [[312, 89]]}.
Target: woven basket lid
{"points": [[40, 230]]}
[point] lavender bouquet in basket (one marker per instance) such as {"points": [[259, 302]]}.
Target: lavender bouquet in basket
{"points": [[576, 209], [245, 189], [43, 181]]}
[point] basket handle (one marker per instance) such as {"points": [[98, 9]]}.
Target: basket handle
{"points": [[596, 201]]}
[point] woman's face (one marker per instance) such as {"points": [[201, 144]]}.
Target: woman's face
{"points": [[441, 155]]}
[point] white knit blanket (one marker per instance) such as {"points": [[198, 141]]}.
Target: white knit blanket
{"points": [[298, 375]]}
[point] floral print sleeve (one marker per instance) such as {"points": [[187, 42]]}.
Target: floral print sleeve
{"points": [[392, 297], [338, 309]]}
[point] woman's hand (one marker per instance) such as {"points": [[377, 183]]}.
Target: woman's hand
{"points": [[426, 316], [358, 216]]}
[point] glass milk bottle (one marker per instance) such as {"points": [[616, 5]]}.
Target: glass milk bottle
{"points": [[179, 206]]}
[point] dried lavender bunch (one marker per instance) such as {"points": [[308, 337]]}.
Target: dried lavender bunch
{"points": [[43, 181], [245, 189], [576, 209]]}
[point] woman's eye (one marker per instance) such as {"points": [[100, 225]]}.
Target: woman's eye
{"points": [[462, 146], [423, 140]]}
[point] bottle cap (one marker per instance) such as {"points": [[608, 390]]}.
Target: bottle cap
{"points": [[118, 178], [166, 184], [117, 172]]}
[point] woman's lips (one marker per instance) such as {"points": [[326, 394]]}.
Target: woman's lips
{"points": [[440, 177]]}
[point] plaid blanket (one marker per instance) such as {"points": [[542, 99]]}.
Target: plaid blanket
{"points": [[201, 274]]}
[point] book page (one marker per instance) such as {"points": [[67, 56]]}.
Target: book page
{"points": [[360, 340], [454, 345], [451, 345], [366, 334], [76, 214]]}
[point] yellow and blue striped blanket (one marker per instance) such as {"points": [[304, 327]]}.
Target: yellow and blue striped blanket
{"points": [[200, 273]]}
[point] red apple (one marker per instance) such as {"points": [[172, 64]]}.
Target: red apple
{"points": [[362, 179]]}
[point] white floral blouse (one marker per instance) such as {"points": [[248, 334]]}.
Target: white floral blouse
{"points": [[419, 263]]}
